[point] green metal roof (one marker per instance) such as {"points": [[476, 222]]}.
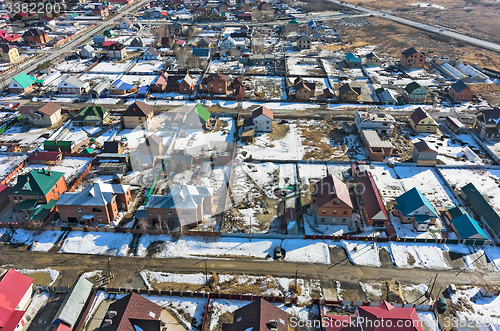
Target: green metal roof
{"points": [[202, 112], [36, 182], [294, 21], [412, 200], [43, 210], [74, 302], [24, 80], [412, 87], [467, 227], [352, 58], [88, 151], [27, 205], [456, 211], [52, 145], [482, 207], [96, 110]]}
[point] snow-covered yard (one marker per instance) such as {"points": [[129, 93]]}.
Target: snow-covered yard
{"points": [[297, 66]]}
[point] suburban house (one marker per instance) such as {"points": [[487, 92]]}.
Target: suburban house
{"points": [[259, 315], [73, 85], [304, 42], [126, 24], [100, 10], [377, 148], [59, 146], [175, 120], [368, 317], [100, 40], [460, 91], [186, 85], [413, 207], [35, 36], [386, 96], [239, 93], [46, 158], [87, 52], [374, 212], [260, 121], [214, 84], [198, 117], [113, 147], [99, 89], [39, 186], [47, 115], [132, 312], [117, 51], [455, 125], [414, 92], [303, 90], [483, 209], [204, 42], [152, 145], [138, 42], [382, 123], [184, 205], [487, 123], [411, 58], [331, 201], [21, 83], [95, 115], [349, 94], [465, 226], [159, 85], [73, 304], [372, 60], [119, 87], [423, 154], [16, 290], [228, 43], [420, 121], [150, 54], [98, 203], [138, 114], [353, 61], [9, 53]]}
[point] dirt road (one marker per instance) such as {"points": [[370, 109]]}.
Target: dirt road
{"points": [[127, 269]]}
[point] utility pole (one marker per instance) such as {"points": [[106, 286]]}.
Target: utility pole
{"points": [[250, 237], [296, 283], [109, 266], [206, 272]]}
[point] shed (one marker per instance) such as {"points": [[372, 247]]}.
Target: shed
{"points": [[74, 302]]}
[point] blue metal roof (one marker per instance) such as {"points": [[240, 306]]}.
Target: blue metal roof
{"points": [[412, 200], [467, 227]]}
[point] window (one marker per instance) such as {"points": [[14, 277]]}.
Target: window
{"points": [[322, 220], [344, 220], [345, 212], [79, 209], [100, 218], [53, 192], [336, 202], [314, 200], [220, 90], [334, 212], [169, 212], [323, 212]]}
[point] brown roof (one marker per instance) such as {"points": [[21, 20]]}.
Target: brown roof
{"points": [[423, 147], [117, 46], [34, 32], [214, 77], [132, 310], [28, 109], [138, 108], [259, 315], [50, 108], [347, 87], [331, 188], [370, 195], [418, 115], [153, 140], [262, 110]]}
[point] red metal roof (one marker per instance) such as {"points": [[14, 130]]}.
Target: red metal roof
{"points": [[391, 315], [13, 286], [341, 323], [370, 195], [108, 43], [45, 156], [13, 321]]}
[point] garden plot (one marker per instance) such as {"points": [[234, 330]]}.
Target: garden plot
{"points": [[353, 74], [8, 163], [147, 66], [265, 87], [274, 146], [71, 166], [367, 92], [200, 142], [486, 182], [230, 67], [132, 137], [27, 136], [78, 65], [139, 80], [410, 255], [287, 174], [97, 78], [108, 134], [298, 66], [313, 172], [338, 169], [452, 148], [331, 68], [97, 243], [264, 175], [77, 134], [408, 230], [392, 182], [469, 304], [111, 67]]}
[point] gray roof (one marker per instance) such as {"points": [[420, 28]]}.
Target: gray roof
{"points": [[180, 197], [74, 302], [385, 96], [94, 194], [374, 140], [74, 81], [99, 88]]}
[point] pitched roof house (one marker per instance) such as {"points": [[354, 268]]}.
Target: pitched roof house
{"points": [[372, 60], [303, 90], [487, 123], [424, 154], [117, 51], [259, 315], [413, 207], [73, 85], [138, 114], [152, 145], [198, 117], [374, 211], [47, 115], [35, 36], [214, 84], [21, 83], [95, 115], [414, 92], [16, 290], [420, 121], [353, 61], [151, 54], [331, 201], [348, 93], [186, 85], [467, 228], [73, 303], [411, 58], [204, 42], [461, 92]]}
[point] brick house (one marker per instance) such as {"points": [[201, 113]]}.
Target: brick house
{"points": [[101, 10], [331, 201], [373, 209], [420, 121], [117, 51], [411, 58], [186, 85], [349, 94], [160, 84], [461, 92], [97, 203], [412, 207], [21, 83], [214, 84], [35, 36], [39, 186], [138, 114], [132, 312], [304, 90], [258, 315]]}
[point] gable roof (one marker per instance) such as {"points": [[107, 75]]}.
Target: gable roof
{"points": [[153, 51], [5, 48], [423, 146], [188, 79], [372, 55], [304, 38], [74, 302], [127, 20], [459, 86], [202, 112], [412, 200], [13, 286], [418, 115], [94, 194], [132, 310], [370, 195], [347, 87], [138, 108], [262, 110], [467, 227], [116, 46], [45, 156], [388, 312], [214, 77], [409, 52], [24, 80], [34, 32], [330, 188], [258, 316], [74, 81], [412, 87], [36, 182], [95, 110], [351, 57], [489, 116], [482, 207]]}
